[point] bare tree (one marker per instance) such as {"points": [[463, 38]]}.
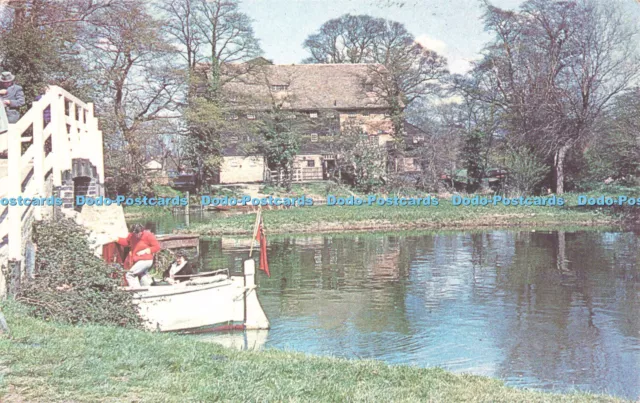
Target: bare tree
{"points": [[139, 87], [346, 39], [182, 28], [557, 66], [227, 32]]}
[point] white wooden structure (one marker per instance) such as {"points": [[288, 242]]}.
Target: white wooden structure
{"points": [[41, 145]]}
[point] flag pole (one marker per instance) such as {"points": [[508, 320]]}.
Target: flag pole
{"points": [[255, 229]]}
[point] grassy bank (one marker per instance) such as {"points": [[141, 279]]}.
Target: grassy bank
{"points": [[50, 362], [338, 219], [316, 219]]}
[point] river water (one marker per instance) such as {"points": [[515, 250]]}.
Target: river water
{"points": [[556, 311]]}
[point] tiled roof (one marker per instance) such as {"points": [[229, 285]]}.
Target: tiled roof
{"points": [[303, 86]]}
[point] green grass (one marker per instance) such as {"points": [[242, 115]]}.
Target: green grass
{"points": [[376, 218], [310, 189], [48, 362], [444, 216]]}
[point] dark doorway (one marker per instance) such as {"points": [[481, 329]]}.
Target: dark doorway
{"points": [[329, 169], [80, 188]]}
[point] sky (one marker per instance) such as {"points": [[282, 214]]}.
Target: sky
{"points": [[450, 27]]}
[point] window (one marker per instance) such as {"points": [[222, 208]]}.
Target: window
{"points": [[313, 115], [311, 164], [251, 116], [366, 113], [314, 137], [279, 87], [352, 115]]}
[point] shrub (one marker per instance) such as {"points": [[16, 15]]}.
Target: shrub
{"points": [[525, 171], [71, 284]]}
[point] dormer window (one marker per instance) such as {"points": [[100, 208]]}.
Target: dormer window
{"points": [[313, 115], [279, 87], [314, 137]]}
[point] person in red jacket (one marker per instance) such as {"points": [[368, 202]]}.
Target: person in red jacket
{"points": [[143, 245]]}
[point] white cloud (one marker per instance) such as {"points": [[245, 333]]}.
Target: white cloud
{"points": [[432, 44], [459, 66]]}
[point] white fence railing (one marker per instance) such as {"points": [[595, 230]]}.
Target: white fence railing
{"points": [[58, 128], [298, 175]]}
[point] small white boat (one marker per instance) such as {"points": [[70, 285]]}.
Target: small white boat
{"points": [[207, 302]]}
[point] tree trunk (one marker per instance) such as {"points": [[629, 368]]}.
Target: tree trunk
{"points": [[558, 163], [4, 328]]}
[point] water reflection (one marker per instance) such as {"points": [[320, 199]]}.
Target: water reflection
{"points": [[549, 310]]}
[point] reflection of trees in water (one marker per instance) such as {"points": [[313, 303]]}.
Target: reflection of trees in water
{"points": [[555, 329], [357, 279]]}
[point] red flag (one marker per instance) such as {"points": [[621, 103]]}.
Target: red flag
{"points": [[260, 237]]}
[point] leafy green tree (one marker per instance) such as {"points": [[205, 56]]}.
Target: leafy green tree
{"points": [[281, 143], [203, 144], [360, 160], [473, 161], [38, 45]]}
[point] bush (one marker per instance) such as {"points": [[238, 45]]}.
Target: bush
{"points": [[525, 171], [71, 284]]}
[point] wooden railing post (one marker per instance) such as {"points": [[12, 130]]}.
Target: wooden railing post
{"points": [[58, 137], [38, 157], [14, 189]]}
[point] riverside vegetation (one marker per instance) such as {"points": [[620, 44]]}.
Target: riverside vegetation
{"points": [[54, 362], [72, 285], [444, 216]]}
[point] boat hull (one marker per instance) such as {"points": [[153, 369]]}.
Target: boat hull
{"points": [[203, 305]]}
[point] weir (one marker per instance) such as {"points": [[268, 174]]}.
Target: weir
{"points": [[54, 150]]}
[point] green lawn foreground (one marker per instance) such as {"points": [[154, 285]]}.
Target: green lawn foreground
{"points": [[48, 362]]}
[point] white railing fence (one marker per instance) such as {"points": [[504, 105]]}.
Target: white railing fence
{"points": [[58, 128], [298, 175]]}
